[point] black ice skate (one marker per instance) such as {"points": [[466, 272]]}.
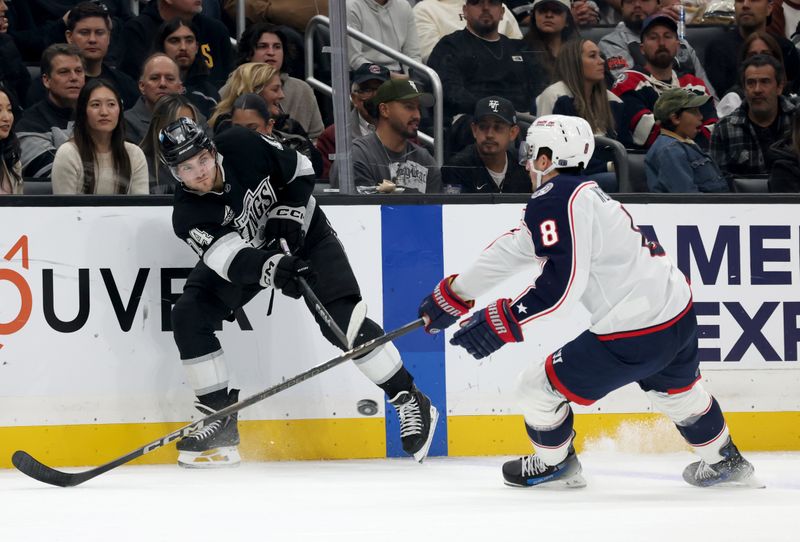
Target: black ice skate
{"points": [[732, 470], [418, 419], [215, 445], [531, 471]]}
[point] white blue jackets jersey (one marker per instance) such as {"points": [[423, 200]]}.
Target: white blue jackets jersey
{"points": [[580, 246]]}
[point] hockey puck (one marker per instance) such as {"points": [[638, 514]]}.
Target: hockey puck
{"points": [[367, 407]]}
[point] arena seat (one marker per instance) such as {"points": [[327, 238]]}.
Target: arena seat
{"points": [[699, 36], [638, 177], [595, 33], [34, 186], [751, 184]]}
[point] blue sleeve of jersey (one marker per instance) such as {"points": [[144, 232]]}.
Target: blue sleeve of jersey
{"points": [[549, 222]]}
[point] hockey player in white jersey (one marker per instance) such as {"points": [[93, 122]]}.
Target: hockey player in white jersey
{"points": [[579, 246]]}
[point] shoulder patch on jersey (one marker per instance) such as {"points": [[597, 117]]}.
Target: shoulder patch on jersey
{"points": [[201, 237], [617, 63], [226, 219], [194, 246], [542, 190]]}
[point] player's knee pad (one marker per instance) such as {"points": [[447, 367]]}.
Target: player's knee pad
{"points": [[349, 313], [543, 407], [207, 373], [683, 408], [381, 364]]}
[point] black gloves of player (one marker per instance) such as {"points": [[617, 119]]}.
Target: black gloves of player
{"points": [[282, 272], [285, 221], [488, 330], [443, 307]]}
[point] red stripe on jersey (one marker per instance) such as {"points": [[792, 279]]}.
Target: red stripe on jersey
{"points": [[646, 330], [637, 117], [632, 81], [724, 427], [676, 391], [572, 271], [557, 384]]}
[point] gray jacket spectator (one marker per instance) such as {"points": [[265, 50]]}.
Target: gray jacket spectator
{"points": [[621, 47], [45, 124], [386, 161], [161, 76], [437, 18], [390, 22], [213, 38]]}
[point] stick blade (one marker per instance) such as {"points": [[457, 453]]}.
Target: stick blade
{"points": [[29, 465]]}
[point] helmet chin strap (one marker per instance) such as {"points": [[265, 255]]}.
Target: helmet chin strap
{"points": [[539, 175]]}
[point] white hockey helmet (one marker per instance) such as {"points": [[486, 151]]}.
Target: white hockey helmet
{"points": [[569, 138]]}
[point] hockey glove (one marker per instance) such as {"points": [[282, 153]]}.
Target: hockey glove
{"points": [[285, 221], [283, 275], [442, 307], [488, 330]]}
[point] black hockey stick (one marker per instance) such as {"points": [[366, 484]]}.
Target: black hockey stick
{"points": [[313, 300], [26, 463]]}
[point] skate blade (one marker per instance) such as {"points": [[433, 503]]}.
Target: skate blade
{"points": [[576, 481], [215, 458], [420, 455]]}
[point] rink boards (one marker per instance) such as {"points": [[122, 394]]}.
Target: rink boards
{"points": [[89, 370]]}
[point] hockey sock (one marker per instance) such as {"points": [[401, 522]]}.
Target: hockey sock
{"points": [[216, 399], [706, 432], [400, 381], [552, 443]]}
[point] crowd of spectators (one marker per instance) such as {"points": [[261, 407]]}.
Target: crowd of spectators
{"points": [[105, 81]]}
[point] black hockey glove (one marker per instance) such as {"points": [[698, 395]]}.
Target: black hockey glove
{"points": [[285, 221], [488, 330], [442, 307], [286, 273]]}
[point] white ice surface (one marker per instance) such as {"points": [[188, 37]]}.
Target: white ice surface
{"points": [[630, 497]]}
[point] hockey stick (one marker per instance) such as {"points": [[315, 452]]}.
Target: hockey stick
{"points": [[28, 465], [313, 300]]}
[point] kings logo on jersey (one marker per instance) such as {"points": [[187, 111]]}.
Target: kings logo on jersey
{"points": [[255, 205]]}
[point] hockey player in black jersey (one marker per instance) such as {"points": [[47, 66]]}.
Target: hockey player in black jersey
{"points": [[238, 196]]}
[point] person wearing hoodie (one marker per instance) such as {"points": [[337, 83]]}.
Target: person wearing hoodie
{"points": [[390, 22], [212, 37]]}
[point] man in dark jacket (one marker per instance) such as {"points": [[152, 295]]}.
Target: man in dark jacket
{"points": [[213, 37], [487, 166]]}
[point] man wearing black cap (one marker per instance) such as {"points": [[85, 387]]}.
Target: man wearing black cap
{"points": [[487, 166], [385, 160], [365, 81], [640, 87]]}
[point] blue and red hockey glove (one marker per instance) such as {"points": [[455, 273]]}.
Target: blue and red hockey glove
{"points": [[442, 308], [488, 330]]}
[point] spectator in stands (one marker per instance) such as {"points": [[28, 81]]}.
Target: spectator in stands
{"points": [[390, 22], [740, 142], [757, 43], [46, 124], [365, 81], [436, 19], [621, 47], [10, 167], [178, 40], [160, 76], [97, 159], [36, 24], [552, 26], [675, 163], [213, 37], [581, 92], [478, 61], [488, 165], [784, 156], [385, 160], [13, 71], [640, 87], [751, 15], [264, 42], [89, 29]]}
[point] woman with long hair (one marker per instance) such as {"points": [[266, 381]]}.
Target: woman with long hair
{"points": [[10, 167], [265, 42], [552, 26], [581, 92], [97, 159], [167, 109], [178, 40], [249, 78]]}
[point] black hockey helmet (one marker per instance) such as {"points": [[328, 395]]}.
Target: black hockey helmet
{"points": [[182, 139]]}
